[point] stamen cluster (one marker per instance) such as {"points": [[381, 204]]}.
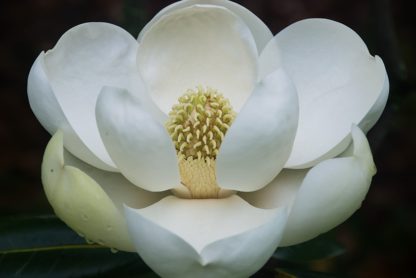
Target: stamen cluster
{"points": [[198, 123]]}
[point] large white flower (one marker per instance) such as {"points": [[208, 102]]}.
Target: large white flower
{"points": [[174, 145]]}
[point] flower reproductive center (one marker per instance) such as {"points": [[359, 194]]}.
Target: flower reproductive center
{"points": [[197, 126]]}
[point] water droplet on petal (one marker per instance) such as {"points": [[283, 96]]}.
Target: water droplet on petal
{"points": [[89, 241], [113, 250]]}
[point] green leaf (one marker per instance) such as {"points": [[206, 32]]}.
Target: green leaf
{"points": [[43, 246], [290, 272], [300, 273], [35, 233], [322, 247]]}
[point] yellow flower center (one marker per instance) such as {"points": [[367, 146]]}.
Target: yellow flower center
{"points": [[197, 125]]}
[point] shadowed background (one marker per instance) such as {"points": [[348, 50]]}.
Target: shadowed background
{"points": [[379, 238]]}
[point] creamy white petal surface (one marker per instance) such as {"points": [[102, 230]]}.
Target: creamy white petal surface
{"points": [[116, 186], [322, 197], [378, 107], [205, 238], [280, 192], [49, 113], [86, 58], [138, 144], [270, 59], [259, 141], [92, 209], [198, 45], [338, 83], [260, 31], [330, 192]]}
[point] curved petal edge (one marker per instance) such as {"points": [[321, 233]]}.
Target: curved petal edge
{"points": [[138, 144], [280, 192], [338, 82], [80, 202], [330, 192], [260, 139], [260, 31], [205, 238], [199, 45], [86, 58], [48, 111]]}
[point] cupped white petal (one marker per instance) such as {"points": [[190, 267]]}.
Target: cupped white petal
{"points": [[377, 109], [260, 139], [198, 45], [205, 238], [138, 144], [90, 200], [260, 31], [86, 58], [330, 192], [116, 186], [338, 83], [280, 192], [47, 110], [270, 59]]}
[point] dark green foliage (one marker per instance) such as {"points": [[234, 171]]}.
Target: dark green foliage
{"points": [[322, 247], [43, 246]]}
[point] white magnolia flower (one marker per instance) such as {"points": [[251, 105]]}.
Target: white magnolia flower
{"points": [[207, 143]]}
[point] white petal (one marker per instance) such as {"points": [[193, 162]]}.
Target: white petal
{"points": [[281, 192], [259, 141], [138, 144], [49, 113], [260, 31], [205, 238], [116, 186], [338, 82], [198, 45], [270, 59], [90, 202], [375, 112], [86, 58], [330, 193]]}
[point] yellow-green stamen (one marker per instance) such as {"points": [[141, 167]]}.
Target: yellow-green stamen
{"points": [[197, 125]]}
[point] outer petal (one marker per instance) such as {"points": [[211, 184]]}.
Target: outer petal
{"points": [[260, 31], [116, 186], [377, 109], [328, 194], [198, 45], [86, 58], [259, 141], [338, 82], [205, 238], [49, 113], [91, 209], [138, 144]]}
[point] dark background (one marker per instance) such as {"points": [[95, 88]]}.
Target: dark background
{"points": [[380, 238]]}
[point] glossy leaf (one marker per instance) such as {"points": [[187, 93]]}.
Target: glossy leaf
{"points": [[300, 273], [322, 247], [43, 246]]}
